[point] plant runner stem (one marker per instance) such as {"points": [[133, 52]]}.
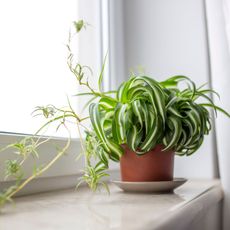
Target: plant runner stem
{"points": [[41, 171]]}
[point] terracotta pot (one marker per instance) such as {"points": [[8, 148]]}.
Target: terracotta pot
{"points": [[155, 165]]}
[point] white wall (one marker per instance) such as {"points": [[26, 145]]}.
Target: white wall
{"points": [[166, 37], [117, 40], [220, 66]]}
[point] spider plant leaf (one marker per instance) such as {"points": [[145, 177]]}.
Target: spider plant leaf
{"points": [[171, 102], [209, 91], [136, 106], [120, 116], [100, 79], [127, 119], [190, 134], [204, 116], [152, 116], [118, 123], [123, 89], [181, 142], [116, 150], [120, 91], [215, 107], [151, 137], [157, 93], [194, 117], [195, 147], [146, 116], [175, 112], [199, 94], [115, 127], [96, 122], [173, 82], [177, 130], [150, 94], [103, 157], [100, 167], [89, 102], [107, 103], [202, 86], [131, 137]]}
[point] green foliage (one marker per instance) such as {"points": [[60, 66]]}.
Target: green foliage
{"points": [[79, 25], [13, 168], [101, 74], [22, 149], [47, 111], [146, 113], [94, 172]]}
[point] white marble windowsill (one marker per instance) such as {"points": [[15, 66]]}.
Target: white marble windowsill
{"points": [[69, 209]]}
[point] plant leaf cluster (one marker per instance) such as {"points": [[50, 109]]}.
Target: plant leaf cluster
{"points": [[22, 149], [146, 112]]}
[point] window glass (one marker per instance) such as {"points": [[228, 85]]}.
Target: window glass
{"points": [[33, 68]]}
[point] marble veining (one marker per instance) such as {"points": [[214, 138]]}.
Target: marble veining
{"points": [[82, 209]]}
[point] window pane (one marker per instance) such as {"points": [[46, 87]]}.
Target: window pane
{"points": [[33, 69]]}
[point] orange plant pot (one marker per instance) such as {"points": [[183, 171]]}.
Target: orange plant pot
{"points": [[155, 165]]}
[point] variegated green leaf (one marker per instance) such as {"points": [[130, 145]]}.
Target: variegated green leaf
{"points": [[177, 129]]}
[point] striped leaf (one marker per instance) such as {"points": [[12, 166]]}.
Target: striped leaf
{"points": [[175, 122]]}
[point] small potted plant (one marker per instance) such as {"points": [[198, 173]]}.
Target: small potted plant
{"points": [[147, 122]]}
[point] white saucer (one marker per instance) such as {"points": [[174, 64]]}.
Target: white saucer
{"points": [[150, 187]]}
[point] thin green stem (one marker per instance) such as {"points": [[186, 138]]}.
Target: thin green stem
{"points": [[21, 186]]}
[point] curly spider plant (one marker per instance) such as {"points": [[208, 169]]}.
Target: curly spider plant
{"points": [[145, 113]]}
